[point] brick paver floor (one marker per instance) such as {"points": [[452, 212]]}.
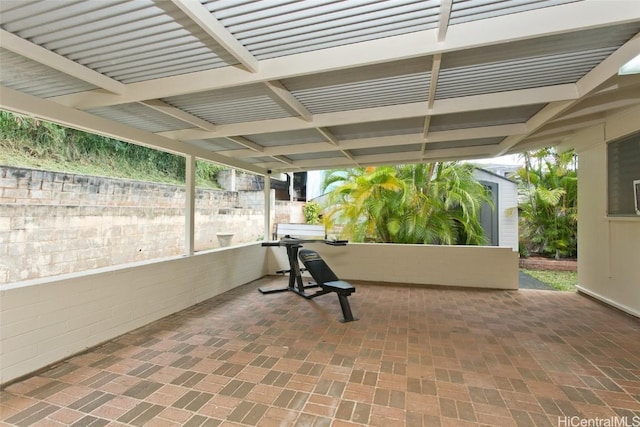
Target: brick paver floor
{"points": [[418, 356]]}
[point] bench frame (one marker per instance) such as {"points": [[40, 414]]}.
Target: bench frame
{"points": [[332, 284], [328, 282]]}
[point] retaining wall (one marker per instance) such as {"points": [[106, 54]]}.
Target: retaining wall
{"points": [[55, 223]]}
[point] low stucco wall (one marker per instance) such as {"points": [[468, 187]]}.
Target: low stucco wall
{"points": [[465, 266], [46, 320]]}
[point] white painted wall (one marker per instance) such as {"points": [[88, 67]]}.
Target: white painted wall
{"points": [[46, 320], [464, 266], [608, 247]]}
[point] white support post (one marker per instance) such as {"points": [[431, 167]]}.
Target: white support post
{"points": [[292, 190], [233, 180], [190, 204], [267, 207]]}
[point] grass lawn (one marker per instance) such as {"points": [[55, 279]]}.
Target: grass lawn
{"points": [[561, 280]]}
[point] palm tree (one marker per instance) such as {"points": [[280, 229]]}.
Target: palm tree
{"points": [[431, 203], [548, 186]]}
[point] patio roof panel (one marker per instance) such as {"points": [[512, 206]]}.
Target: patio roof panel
{"points": [[471, 10], [232, 105], [285, 29], [366, 94], [216, 144], [275, 139], [388, 150], [33, 78], [378, 129], [127, 41], [241, 78], [463, 143], [472, 119], [523, 73], [139, 116]]}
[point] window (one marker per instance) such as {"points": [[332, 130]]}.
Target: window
{"points": [[623, 166]]}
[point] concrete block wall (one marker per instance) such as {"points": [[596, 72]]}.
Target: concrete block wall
{"points": [[55, 223]]}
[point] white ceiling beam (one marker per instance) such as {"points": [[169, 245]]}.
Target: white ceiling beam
{"points": [[506, 99], [443, 20], [284, 97], [246, 143], [460, 152], [348, 155], [477, 132], [565, 125], [400, 111], [294, 123], [384, 141], [205, 19], [284, 160], [22, 103], [433, 86], [533, 124], [314, 147], [328, 135], [179, 114], [449, 154], [46, 57], [518, 26]]}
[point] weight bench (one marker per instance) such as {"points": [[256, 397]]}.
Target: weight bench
{"points": [[327, 281]]}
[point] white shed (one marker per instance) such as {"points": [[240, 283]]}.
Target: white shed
{"points": [[501, 222]]}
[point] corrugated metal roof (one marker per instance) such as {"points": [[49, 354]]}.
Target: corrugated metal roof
{"points": [[377, 129], [472, 10], [320, 155], [386, 150], [33, 78], [545, 61], [518, 74], [140, 117], [541, 47], [269, 28], [128, 41], [232, 105], [496, 117], [349, 92], [216, 144], [366, 94], [302, 136], [463, 143]]}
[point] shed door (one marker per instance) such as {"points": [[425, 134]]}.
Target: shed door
{"points": [[489, 215]]}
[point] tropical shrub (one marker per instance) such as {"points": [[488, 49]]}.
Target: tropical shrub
{"points": [[312, 212], [431, 203], [548, 191]]}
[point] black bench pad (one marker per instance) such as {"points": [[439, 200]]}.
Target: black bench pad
{"points": [[340, 286]]}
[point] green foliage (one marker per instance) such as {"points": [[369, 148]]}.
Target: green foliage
{"points": [[432, 203], [30, 142], [311, 212], [548, 187]]}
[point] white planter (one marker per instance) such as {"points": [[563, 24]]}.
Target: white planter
{"points": [[224, 239]]}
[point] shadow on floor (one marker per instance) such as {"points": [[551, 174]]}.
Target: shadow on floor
{"points": [[528, 282]]}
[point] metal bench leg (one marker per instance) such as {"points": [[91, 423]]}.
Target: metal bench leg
{"points": [[346, 309]]}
